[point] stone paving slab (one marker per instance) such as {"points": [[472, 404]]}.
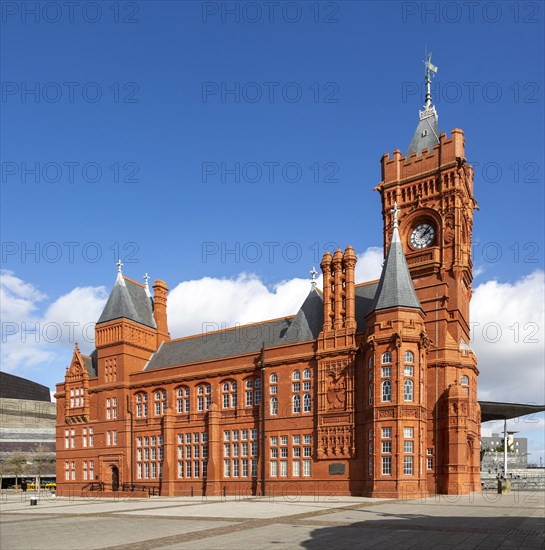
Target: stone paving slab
{"points": [[515, 521], [89, 533]]}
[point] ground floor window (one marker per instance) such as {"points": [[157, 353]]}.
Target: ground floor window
{"points": [[149, 457], [192, 455], [386, 465]]}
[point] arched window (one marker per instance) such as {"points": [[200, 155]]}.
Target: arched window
{"points": [[408, 390], [296, 375], [370, 394], [274, 406], [307, 403], [229, 395], [274, 378], [387, 357], [307, 374], [204, 397], [464, 380], [386, 390], [142, 405], [296, 404], [370, 363], [408, 357], [252, 392], [160, 400], [183, 404]]}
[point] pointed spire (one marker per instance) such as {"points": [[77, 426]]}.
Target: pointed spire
{"points": [[427, 131], [146, 287], [119, 279], [395, 288], [313, 274]]}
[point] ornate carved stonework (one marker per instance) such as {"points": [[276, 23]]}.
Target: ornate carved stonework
{"points": [[336, 442], [335, 407]]}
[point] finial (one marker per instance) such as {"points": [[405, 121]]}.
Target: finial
{"points": [[119, 279], [146, 287], [313, 274], [395, 212], [430, 68]]}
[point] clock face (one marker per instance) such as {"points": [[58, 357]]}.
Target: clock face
{"points": [[422, 236]]}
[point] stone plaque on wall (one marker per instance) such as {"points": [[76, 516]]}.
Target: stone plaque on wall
{"points": [[336, 469]]}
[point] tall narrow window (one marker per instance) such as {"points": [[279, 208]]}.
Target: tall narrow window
{"points": [[160, 402], [183, 404], [307, 403], [386, 391], [296, 404], [408, 390], [274, 406]]}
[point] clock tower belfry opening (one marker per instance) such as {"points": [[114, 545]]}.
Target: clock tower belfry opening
{"points": [[432, 185]]}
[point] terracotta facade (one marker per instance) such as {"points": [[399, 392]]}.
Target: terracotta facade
{"points": [[377, 402]]}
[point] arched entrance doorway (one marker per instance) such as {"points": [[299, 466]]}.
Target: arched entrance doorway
{"points": [[115, 478]]}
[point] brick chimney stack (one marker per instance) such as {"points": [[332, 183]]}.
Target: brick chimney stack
{"points": [[160, 290]]}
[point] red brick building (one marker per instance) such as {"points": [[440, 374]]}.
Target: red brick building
{"points": [[369, 389]]}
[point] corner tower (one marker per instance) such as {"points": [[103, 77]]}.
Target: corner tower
{"points": [[433, 186], [395, 417]]}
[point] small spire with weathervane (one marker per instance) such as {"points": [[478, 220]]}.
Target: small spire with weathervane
{"points": [[146, 287], [313, 274], [395, 212], [119, 279]]}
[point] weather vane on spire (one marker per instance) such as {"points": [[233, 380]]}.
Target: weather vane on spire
{"points": [[313, 274], [431, 69], [395, 212]]}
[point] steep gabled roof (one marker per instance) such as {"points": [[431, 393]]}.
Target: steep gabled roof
{"points": [[128, 300], [395, 287], [309, 320]]}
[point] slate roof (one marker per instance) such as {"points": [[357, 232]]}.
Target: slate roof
{"points": [[227, 343], [15, 387], [308, 322], [129, 300], [426, 134], [395, 287]]}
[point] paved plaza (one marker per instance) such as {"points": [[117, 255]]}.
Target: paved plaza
{"points": [[477, 521]]}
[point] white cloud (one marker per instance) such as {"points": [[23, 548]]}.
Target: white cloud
{"points": [[203, 304], [507, 331], [38, 345], [369, 264], [226, 302]]}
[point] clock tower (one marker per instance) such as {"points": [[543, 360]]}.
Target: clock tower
{"points": [[432, 185]]}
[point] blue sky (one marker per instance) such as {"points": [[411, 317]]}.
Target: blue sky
{"points": [[319, 92]]}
